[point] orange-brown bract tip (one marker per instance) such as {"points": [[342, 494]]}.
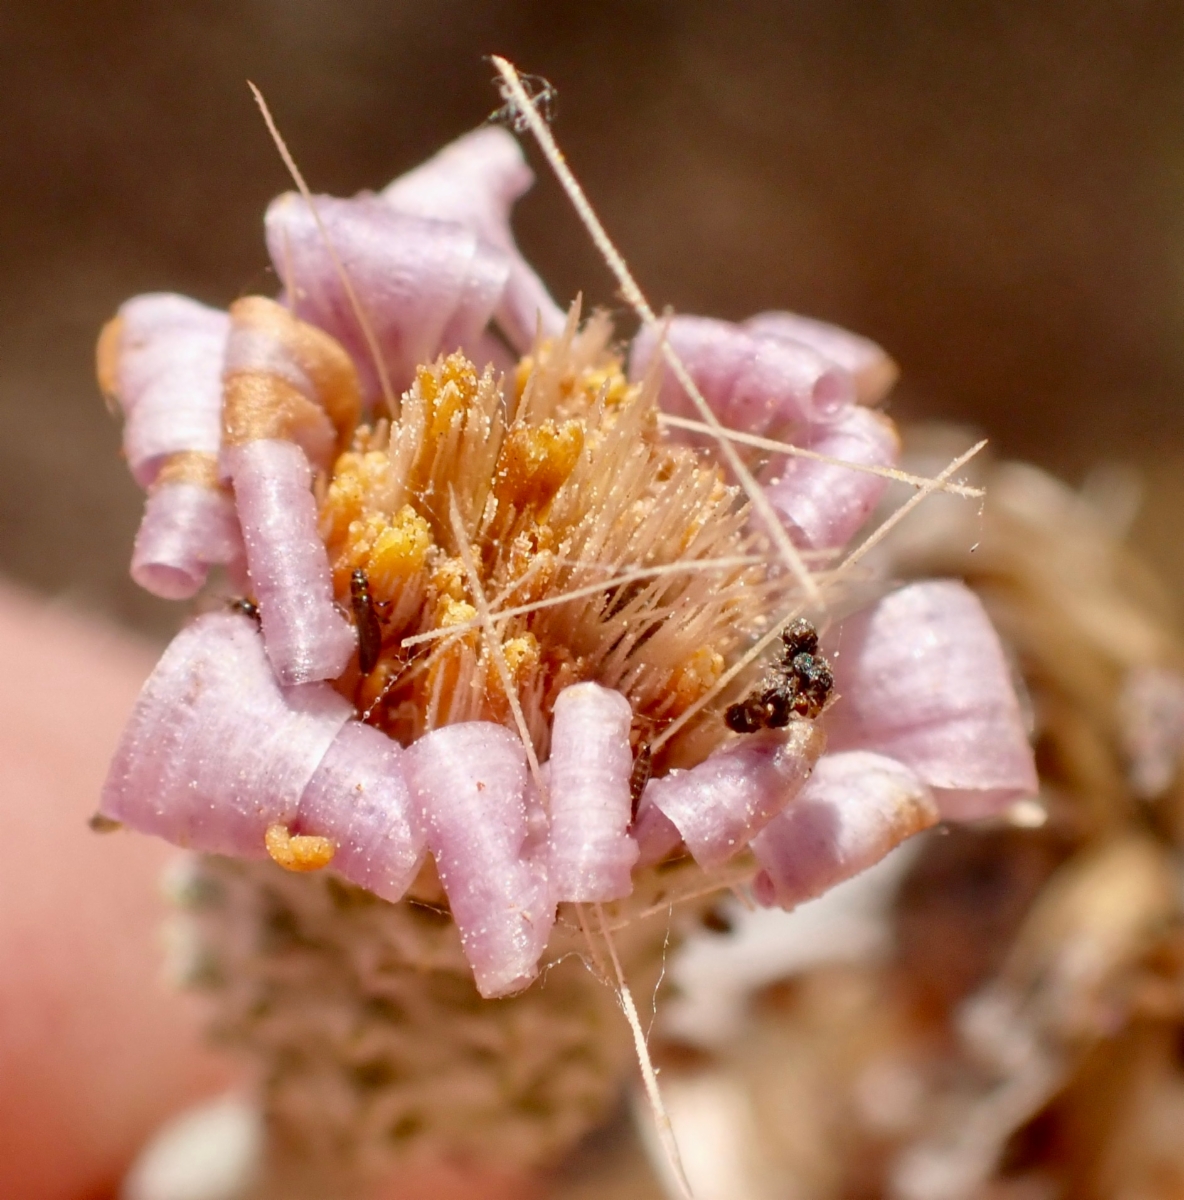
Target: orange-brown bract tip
{"points": [[263, 403], [107, 360]]}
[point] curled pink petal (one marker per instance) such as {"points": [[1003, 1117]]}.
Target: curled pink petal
{"points": [[167, 375], [656, 835], [592, 854], [755, 384], [469, 783], [922, 678], [215, 750], [187, 527], [824, 504], [426, 287], [475, 181], [868, 364], [721, 804], [851, 812], [358, 799], [307, 635]]}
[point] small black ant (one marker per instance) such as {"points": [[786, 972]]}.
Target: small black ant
{"points": [[800, 685], [367, 622]]}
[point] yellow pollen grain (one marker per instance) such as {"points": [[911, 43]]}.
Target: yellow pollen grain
{"points": [[356, 477], [451, 612], [356, 548], [399, 551], [446, 389], [300, 853], [691, 679], [521, 654], [535, 461], [449, 579], [608, 380]]}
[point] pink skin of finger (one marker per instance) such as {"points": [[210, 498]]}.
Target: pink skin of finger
{"points": [[95, 1050]]}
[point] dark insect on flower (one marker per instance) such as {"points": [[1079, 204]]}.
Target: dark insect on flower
{"points": [[246, 607], [748, 716], [643, 762], [813, 682], [366, 620], [800, 685], [799, 638]]}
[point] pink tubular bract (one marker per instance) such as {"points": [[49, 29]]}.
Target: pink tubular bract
{"points": [[475, 181], [922, 679], [169, 380], [869, 366], [854, 809], [469, 783], [592, 854], [824, 504], [424, 286], [306, 634], [721, 804], [758, 384], [215, 750], [186, 529], [358, 799]]}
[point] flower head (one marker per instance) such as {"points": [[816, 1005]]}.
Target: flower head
{"points": [[501, 574]]}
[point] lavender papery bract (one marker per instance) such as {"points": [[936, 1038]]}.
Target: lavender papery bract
{"points": [[161, 359], [868, 365], [824, 504], [186, 528], [358, 799], [592, 854], [657, 837], [922, 679], [168, 379], [215, 750], [752, 383], [852, 811], [721, 804], [475, 181], [306, 634], [469, 782], [424, 286]]}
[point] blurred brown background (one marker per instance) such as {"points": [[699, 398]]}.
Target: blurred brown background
{"points": [[994, 191]]}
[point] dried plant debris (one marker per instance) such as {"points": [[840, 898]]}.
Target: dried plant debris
{"points": [[1023, 1037], [496, 618]]}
